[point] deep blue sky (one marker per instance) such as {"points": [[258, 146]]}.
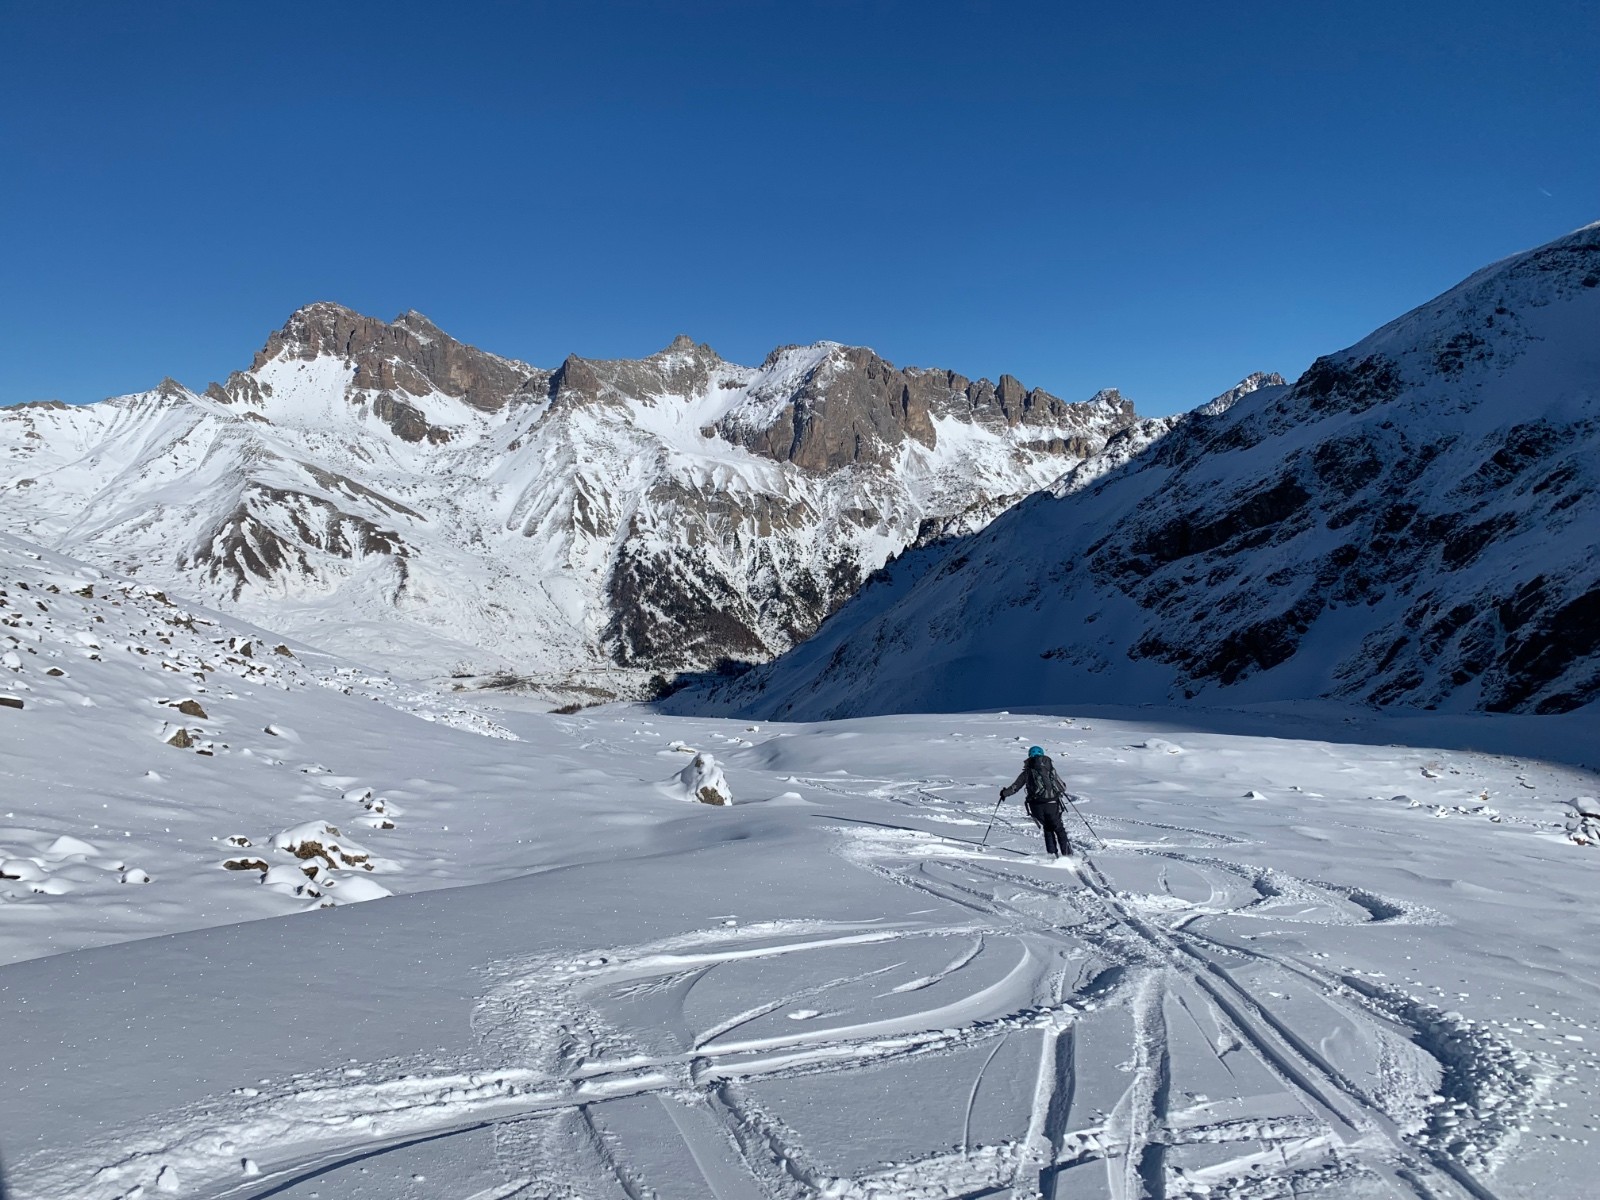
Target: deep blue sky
{"points": [[1155, 196]]}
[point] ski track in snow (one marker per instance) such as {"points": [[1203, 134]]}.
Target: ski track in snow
{"points": [[1238, 1072]]}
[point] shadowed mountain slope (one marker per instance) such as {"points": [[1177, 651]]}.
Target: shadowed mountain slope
{"points": [[1416, 521]]}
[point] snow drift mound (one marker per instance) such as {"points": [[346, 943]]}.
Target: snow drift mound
{"points": [[1413, 522]]}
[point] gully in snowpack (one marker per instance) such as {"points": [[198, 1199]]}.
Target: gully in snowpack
{"points": [[1046, 794]]}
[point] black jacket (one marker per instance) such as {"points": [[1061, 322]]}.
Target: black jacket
{"points": [[1040, 778]]}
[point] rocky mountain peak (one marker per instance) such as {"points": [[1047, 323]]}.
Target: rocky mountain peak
{"points": [[847, 405], [419, 324], [797, 350], [684, 344], [1111, 399], [410, 356], [682, 369], [1252, 382], [576, 381]]}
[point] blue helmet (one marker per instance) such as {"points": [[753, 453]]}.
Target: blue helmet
{"points": [[1035, 751]]}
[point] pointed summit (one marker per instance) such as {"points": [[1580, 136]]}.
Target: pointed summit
{"points": [[684, 344], [409, 356], [321, 327], [419, 324], [1252, 382]]}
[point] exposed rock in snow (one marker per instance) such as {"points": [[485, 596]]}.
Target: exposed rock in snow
{"points": [[703, 780], [1583, 822], [320, 840]]}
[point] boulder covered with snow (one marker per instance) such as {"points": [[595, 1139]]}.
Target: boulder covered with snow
{"points": [[1583, 821], [290, 881], [704, 781]]}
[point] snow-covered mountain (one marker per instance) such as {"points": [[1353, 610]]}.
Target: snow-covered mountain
{"points": [[1416, 521], [385, 490]]}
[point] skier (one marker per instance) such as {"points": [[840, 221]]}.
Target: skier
{"points": [[1045, 794]]}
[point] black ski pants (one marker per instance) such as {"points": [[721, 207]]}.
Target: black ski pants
{"points": [[1048, 814]]}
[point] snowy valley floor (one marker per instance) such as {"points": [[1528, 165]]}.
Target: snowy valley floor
{"points": [[1306, 964]]}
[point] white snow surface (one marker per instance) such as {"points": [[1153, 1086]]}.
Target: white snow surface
{"points": [[1310, 951]]}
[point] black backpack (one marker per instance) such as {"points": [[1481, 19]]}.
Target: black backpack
{"points": [[1044, 785]]}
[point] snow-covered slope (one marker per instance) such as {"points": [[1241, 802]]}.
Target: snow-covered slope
{"points": [[1333, 960], [151, 750], [385, 490], [1416, 521]]}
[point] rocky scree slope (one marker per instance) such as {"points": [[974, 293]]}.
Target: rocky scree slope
{"points": [[383, 490], [152, 742], [1416, 521]]}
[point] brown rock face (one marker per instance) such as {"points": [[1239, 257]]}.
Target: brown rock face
{"points": [[852, 408], [406, 420], [682, 369], [856, 408], [407, 356]]}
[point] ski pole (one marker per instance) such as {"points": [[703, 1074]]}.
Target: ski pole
{"points": [[992, 818], [1085, 821]]}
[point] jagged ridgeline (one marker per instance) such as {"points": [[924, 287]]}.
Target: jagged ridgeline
{"points": [[388, 492], [1416, 521]]}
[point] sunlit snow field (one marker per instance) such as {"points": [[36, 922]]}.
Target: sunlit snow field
{"points": [[1318, 953]]}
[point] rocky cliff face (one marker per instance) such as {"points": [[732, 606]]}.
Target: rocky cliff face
{"points": [[854, 407], [1415, 521], [410, 356], [386, 490]]}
